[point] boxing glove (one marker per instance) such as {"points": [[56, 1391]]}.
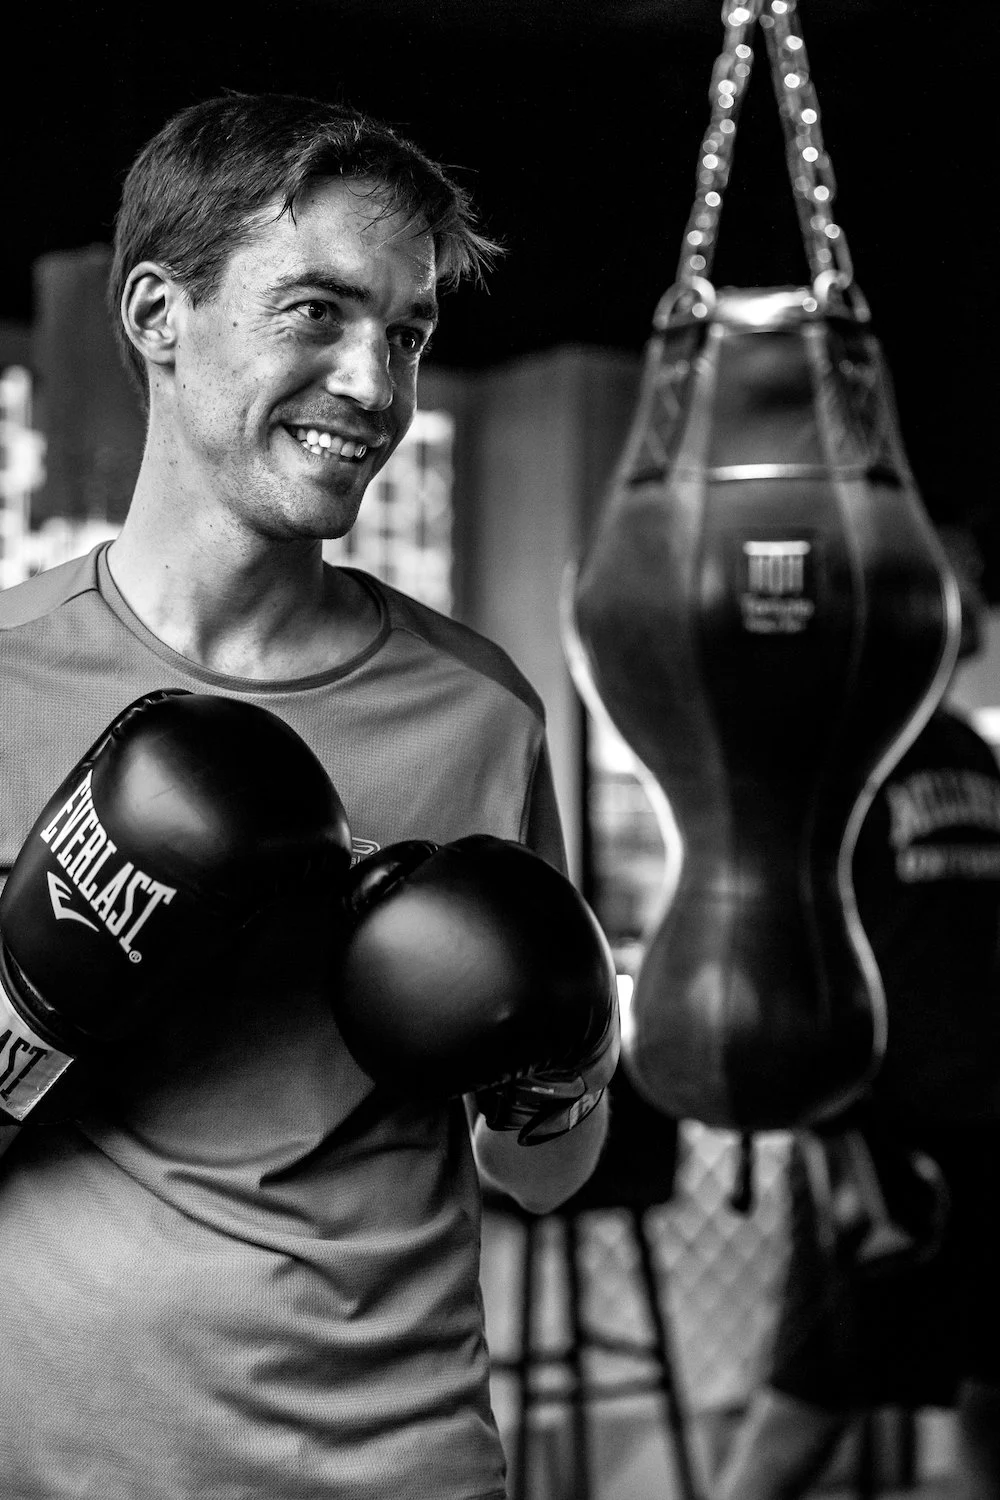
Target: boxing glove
{"points": [[187, 817], [476, 968]]}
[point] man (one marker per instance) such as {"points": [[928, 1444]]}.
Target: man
{"points": [[245, 1271], [890, 1310]]}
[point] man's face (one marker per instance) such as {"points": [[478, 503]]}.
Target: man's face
{"points": [[293, 384]]}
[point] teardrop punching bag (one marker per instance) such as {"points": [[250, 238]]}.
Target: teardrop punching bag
{"points": [[768, 619]]}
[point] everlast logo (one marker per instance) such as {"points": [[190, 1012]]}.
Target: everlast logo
{"points": [[123, 901]]}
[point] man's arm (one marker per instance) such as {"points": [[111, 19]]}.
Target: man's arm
{"points": [[539, 1177]]}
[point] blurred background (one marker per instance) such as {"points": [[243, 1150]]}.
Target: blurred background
{"points": [[576, 126]]}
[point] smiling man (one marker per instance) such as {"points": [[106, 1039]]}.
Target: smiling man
{"points": [[240, 1270], [272, 402]]}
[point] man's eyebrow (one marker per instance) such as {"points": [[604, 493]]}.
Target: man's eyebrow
{"points": [[425, 308]]}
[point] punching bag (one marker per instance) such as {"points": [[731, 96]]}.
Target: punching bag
{"points": [[767, 618]]}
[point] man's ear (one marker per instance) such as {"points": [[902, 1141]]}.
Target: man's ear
{"points": [[149, 309]]}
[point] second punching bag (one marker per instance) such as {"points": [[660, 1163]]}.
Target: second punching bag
{"points": [[767, 618]]}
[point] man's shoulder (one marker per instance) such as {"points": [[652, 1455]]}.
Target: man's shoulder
{"points": [[40, 596], [467, 647]]}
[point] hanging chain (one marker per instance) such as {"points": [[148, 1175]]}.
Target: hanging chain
{"points": [[727, 90], [813, 183], [811, 173]]}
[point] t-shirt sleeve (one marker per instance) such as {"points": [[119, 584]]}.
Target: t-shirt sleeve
{"points": [[541, 828]]}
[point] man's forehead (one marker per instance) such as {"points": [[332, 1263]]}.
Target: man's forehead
{"points": [[363, 205], [336, 219]]}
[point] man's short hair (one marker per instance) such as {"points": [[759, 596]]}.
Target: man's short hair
{"points": [[195, 192]]}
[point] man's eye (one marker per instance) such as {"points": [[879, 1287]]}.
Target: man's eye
{"points": [[412, 340], [315, 312]]}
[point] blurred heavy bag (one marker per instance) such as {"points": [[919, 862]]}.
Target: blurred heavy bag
{"points": [[767, 618]]}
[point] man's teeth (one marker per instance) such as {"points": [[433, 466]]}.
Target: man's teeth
{"points": [[327, 444]]}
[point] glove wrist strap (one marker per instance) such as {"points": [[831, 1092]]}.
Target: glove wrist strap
{"points": [[29, 1065]]}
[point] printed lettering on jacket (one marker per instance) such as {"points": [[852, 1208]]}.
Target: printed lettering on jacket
{"points": [[957, 801]]}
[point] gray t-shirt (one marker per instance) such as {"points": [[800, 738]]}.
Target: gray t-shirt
{"points": [[244, 1273]]}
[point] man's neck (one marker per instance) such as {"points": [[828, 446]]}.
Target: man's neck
{"points": [[258, 610]]}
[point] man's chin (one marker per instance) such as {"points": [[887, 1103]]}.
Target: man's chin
{"points": [[338, 495], [308, 523]]}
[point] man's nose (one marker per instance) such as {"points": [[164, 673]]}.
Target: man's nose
{"points": [[359, 370]]}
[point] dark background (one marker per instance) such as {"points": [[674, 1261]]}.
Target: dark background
{"points": [[576, 127]]}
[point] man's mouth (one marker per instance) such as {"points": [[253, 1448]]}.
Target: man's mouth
{"points": [[323, 442]]}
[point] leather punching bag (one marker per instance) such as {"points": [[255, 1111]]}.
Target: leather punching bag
{"points": [[767, 618]]}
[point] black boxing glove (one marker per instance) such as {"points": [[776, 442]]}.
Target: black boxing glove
{"points": [[188, 816], [477, 968]]}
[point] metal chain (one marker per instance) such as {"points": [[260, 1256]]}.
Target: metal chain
{"points": [[811, 173], [809, 168], [727, 90]]}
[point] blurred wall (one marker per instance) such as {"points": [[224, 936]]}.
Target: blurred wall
{"points": [[544, 434], [84, 401]]}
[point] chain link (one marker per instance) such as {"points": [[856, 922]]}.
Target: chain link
{"points": [[730, 78], [811, 173]]}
